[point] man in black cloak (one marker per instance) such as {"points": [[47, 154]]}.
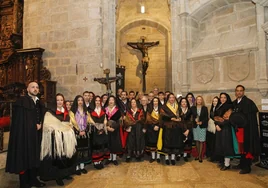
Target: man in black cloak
{"points": [[23, 155], [247, 134]]}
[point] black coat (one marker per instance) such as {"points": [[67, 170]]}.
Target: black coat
{"points": [[25, 140], [203, 116], [251, 132]]}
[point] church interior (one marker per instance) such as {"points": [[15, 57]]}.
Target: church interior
{"points": [[199, 46]]}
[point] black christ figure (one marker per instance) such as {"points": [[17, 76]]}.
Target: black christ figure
{"points": [[107, 81], [143, 48]]}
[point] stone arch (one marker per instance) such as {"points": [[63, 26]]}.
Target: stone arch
{"points": [[204, 8], [154, 24]]}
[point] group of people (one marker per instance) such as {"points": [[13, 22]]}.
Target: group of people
{"points": [[58, 142]]}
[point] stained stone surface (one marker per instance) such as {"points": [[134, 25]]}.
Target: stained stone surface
{"points": [[153, 175]]}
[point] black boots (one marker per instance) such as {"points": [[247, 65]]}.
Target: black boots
{"points": [[24, 180], [246, 168]]}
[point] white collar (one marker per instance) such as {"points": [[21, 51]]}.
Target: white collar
{"points": [[61, 109]]}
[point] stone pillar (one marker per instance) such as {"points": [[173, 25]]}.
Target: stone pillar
{"points": [[262, 45], [109, 37], [175, 58]]}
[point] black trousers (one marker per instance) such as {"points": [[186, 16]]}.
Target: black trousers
{"points": [[29, 177]]}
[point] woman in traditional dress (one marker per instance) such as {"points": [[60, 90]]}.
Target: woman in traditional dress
{"points": [[99, 134], [133, 121], [152, 129], [58, 144], [224, 146], [191, 99], [210, 135], [113, 126], [186, 116], [104, 98], [68, 105], [200, 115], [80, 119], [173, 131]]}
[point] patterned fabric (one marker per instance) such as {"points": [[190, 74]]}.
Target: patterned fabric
{"points": [[199, 134]]}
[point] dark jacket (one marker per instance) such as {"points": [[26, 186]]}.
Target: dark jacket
{"points": [[203, 116]]}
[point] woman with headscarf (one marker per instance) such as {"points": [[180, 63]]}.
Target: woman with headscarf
{"points": [[173, 131], [152, 125], [80, 120], [99, 134], [113, 115], [58, 144], [225, 141], [134, 125]]}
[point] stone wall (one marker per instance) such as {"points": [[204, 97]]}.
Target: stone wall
{"points": [[157, 71], [72, 34]]}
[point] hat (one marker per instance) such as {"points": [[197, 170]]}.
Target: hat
{"points": [[238, 119]]}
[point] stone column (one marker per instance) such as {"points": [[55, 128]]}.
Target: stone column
{"points": [[175, 37], [109, 37], [262, 45]]}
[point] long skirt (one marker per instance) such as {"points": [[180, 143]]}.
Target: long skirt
{"points": [[100, 146], [135, 140], [83, 149], [151, 138], [115, 144], [172, 140], [224, 141]]}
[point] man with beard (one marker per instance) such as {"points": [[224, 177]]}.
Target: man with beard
{"points": [[247, 134], [23, 155], [123, 102]]}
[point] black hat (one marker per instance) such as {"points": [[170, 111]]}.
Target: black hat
{"points": [[238, 119]]}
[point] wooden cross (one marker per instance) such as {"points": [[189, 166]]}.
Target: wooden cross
{"points": [[107, 80], [143, 48]]}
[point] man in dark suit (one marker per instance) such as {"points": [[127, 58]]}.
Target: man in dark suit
{"points": [[23, 155]]}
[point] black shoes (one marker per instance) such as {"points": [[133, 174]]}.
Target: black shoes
{"points": [[158, 160], [78, 172], [98, 166], [151, 160], [37, 183], [197, 158], [225, 168], [84, 171], [138, 159], [245, 171], [128, 159], [185, 159], [173, 162], [178, 158], [200, 161], [167, 162], [59, 182], [115, 163]]}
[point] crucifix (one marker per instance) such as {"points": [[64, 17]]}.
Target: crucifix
{"points": [[143, 48], [107, 81]]}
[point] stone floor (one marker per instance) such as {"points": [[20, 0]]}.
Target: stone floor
{"points": [[152, 175]]}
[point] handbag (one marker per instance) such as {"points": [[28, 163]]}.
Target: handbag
{"points": [[211, 126]]}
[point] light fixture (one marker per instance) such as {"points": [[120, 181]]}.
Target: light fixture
{"points": [[142, 9]]}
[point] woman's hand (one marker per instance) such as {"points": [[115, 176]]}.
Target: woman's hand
{"points": [[218, 128], [128, 129], [156, 128], [110, 129], [82, 133], [186, 132], [176, 119], [144, 130]]}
